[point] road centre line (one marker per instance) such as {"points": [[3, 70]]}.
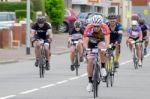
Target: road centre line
{"points": [[6, 97], [29, 91]]}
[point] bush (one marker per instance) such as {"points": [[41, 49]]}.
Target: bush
{"points": [[40, 6], [55, 10], [13, 6], [21, 14]]}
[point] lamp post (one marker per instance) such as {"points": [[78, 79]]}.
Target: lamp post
{"points": [[28, 28]]}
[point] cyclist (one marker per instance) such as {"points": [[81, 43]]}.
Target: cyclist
{"points": [[99, 31], [42, 30], [76, 34], [116, 31], [135, 33], [144, 29]]}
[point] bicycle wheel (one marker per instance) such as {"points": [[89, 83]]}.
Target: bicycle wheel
{"points": [[135, 60], [77, 61], [112, 72], [41, 68], [142, 54], [95, 81], [108, 69], [42, 63]]}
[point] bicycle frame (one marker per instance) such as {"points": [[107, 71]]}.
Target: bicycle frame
{"points": [[77, 56], [135, 57], [42, 59]]}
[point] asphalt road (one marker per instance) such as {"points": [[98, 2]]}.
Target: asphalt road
{"points": [[21, 80]]}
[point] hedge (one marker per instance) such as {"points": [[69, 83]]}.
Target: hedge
{"points": [[13, 6], [21, 14]]}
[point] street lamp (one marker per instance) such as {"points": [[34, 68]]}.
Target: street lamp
{"points": [[28, 28]]}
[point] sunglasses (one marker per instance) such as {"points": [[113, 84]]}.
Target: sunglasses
{"points": [[112, 21], [96, 26]]}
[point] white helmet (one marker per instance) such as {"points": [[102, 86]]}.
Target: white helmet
{"points": [[134, 22], [97, 20]]}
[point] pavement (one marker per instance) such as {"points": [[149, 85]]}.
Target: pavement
{"points": [[11, 55]]}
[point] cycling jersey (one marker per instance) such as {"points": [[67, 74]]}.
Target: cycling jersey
{"points": [[89, 30], [137, 33], [41, 32], [75, 35], [99, 36], [114, 35], [144, 29]]}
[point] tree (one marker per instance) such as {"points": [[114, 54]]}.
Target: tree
{"points": [[55, 11]]}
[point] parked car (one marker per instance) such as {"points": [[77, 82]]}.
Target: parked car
{"points": [[69, 18], [7, 19]]}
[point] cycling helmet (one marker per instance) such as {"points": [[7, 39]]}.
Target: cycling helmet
{"points": [[41, 19], [141, 21], [77, 24], [97, 20], [134, 22], [112, 16]]}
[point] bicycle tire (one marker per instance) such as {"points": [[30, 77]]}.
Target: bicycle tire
{"points": [[41, 63], [95, 81], [76, 63], [135, 61]]}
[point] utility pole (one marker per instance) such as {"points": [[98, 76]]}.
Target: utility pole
{"points": [[28, 28]]}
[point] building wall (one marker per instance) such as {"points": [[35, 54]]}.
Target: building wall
{"points": [[139, 2], [68, 3], [140, 10]]}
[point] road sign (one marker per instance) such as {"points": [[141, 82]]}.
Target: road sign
{"points": [[94, 1], [145, 12]]}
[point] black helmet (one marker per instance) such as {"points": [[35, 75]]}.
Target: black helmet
{"points": [[41, 19], [141, 21], [112, 16], [77, 24]]}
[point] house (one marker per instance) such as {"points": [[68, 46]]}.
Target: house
{"points": [[86, 6], [123, 8]]}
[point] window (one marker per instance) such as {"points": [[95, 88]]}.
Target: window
{"points": [[112, 10]]}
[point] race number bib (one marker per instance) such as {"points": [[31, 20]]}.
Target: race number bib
{"points": [[134, 33]]}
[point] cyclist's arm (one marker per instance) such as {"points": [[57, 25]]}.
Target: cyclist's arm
{"points": [[33, 31], [49, 30], [85, 42], [106, 35], [140, 34], [50, 34]]}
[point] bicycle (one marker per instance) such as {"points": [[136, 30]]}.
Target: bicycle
{"points": [[77, 55], [110, 66], [135, 57], [97, 77]]}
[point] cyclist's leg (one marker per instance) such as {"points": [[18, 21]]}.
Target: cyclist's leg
{"points": [[146, 42], [80, 47], [138, 47], [129, 40], [47, 55], [37, 50], [72, 56], [101, 45], [89, 70]]}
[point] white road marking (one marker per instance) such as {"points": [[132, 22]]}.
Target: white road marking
{"points": [[50, 85], [60, 82], [6, 97], [73, 78], [29, 91]]}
